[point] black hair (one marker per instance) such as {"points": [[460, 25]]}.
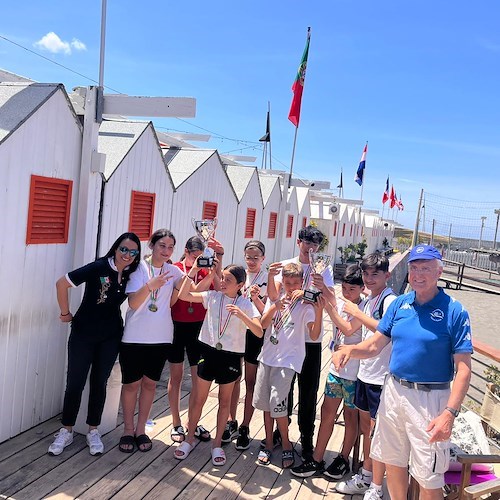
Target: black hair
{"points": [[377, 261], [353, 275], [238, 272], [194, 244], [114, 247], [256, 244], [158, 235], [311, 234]]}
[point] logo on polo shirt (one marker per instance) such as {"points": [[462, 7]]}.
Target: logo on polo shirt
{"points": [[406, 306], [466, 322], [437, 315]]}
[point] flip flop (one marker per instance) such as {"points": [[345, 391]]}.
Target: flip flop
{"points": [[183, 450], [177, 434], [201, 433], [127, 444], [144, 441], [287, 456], [218, 457], [264, 457]]}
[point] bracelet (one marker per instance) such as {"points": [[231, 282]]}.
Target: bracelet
{"points": [[147, 286], [454, 412], [67, 314]]}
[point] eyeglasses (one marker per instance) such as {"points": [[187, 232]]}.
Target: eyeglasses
{"points": [[125, 251], [420, 270], [255, 259]]}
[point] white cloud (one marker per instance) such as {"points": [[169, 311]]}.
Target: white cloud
{"points": [[52, 43]]}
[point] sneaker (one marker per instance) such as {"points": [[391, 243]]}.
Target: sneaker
{"points": [[373, 493], [276, 439], [62, 439], [308, 468], [357, 485], [94, 442], [338, 468], [243, 441], [230, 432]]}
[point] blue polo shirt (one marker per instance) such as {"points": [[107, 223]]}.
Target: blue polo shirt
{"points": [[426, 336]]}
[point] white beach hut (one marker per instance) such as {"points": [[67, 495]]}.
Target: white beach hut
{"points": [[40, 148], [271, 198]]}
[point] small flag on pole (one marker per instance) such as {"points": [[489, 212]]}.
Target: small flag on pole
{"points": [[400, 204], [361, 169], [341, 183], [392, 197], [385, 196], [267, 136], [298, 85]]}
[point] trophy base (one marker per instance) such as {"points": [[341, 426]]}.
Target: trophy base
{"points": [[205, 261], [311, 295]]}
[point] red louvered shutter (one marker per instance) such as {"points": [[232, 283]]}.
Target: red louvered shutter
{"points": [[273, 221], [250, 222], [209, 210], [142, 210], [289, 226]]}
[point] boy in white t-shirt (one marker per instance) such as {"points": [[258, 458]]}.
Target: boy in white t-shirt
{"points": [[340, 387], [288, 322]]}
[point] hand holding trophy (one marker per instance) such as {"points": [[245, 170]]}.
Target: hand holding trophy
{"points": [[319, 262], [205, 229]]}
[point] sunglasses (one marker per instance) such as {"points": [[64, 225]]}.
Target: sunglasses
{"points": [[125, 250]]}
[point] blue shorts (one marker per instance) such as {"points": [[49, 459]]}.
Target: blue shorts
{"points": [[367, 397], [338, 387]]}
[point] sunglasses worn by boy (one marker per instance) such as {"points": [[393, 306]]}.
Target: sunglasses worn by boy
{"points": [[125, 250]]}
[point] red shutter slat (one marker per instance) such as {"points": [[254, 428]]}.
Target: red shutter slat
{"points": [[273, 220], [142, 207]]}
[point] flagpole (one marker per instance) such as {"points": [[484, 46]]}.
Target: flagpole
{"points": [[364, 175], [270, 150], [293, 155]]}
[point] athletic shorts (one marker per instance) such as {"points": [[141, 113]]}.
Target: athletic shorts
{"points": [[271, 389], [338, 387], [223, 367], [400, 432], [186, 341], [367, 397], [253, 346], [139, 360]]}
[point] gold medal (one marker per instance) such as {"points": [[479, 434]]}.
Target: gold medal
{"points": [[218, 346], [273, 339], [153, 307], [190, 310]]}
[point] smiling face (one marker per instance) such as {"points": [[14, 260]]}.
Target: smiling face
{"points": [[423, 276], [229, 285], [352, 292], [375, 279], [253, 259], [162, 251], [122, 253]]}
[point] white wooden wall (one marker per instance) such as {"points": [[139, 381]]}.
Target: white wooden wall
{"points": [[272, 205], [32, 340]]}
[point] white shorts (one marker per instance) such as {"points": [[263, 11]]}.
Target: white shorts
{"points": [[400, 432], [271, 389]]}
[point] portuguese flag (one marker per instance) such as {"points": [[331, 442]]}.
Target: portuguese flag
{"points": [[298, 85]]}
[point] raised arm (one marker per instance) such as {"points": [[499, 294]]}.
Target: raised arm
{"points": [[273, 288]]}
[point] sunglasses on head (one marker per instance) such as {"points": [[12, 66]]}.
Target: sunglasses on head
{"points": [[125, 250]]}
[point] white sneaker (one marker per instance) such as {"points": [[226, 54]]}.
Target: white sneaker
{"points": [[94, 442], [62, 439], [357, 485], [373, 493]]}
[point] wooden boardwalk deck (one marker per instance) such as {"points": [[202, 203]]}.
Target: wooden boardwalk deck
{"points": [[28, 472]]}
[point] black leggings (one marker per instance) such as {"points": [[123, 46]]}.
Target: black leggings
{"points": [[84, 353]]}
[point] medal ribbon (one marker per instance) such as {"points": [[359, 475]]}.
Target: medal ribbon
{"points": [[151, 274], [222, 330], [246, 289], [186, 273], [374, 304], [281, 317]]}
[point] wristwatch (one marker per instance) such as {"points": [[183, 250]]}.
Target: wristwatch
{"points": [[454, 412]]}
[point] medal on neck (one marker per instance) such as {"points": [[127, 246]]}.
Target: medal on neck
{"points": [[153, 297], [190, 309], [280, 320], [246, 289], [223, 327]]}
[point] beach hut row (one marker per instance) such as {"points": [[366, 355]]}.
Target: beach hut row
{"points": [[144, 184]]}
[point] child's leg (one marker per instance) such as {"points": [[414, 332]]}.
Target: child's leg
{"points": [[235, 398], [225, 393], [268, 426], [351, 430], [328, 413], [196, 408], [282, 423], [193, 395], [146, 399], [250, 376], [174, 389], [365, 428], [129, 400]]}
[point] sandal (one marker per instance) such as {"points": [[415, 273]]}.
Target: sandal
{"points": [[264, 457], [183, 450], [177, 434], [127, 444], [218, 457], [202, 434], [143, 443], [287, 456]]}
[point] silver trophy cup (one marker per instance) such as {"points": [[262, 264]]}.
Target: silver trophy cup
{"points": [[205, 229], [319, 262]]}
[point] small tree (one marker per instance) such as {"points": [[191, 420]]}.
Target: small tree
{"points": [[361, 248], [385, 242]]}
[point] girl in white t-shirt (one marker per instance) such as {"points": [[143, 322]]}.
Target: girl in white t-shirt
{"points": [[222, 336], [147, 336]]}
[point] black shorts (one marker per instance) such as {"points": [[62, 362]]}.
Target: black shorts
{"points": [[138, 360], [253, 346], [367, 397], [186, 339], [222, 366]]}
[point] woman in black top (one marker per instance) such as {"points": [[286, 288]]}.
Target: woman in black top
{"points": [[96, 332]]}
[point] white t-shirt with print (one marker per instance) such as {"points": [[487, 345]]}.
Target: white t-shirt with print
{"points": [[306, 269], [234, 336], [374, 370], [143, 326], [290, 350], [349, 371]]}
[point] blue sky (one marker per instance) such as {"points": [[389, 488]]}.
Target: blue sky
{"points": [[418, 80]]}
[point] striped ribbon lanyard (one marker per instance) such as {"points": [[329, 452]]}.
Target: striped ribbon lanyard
{"points": [[281, 317], [222, 330]]}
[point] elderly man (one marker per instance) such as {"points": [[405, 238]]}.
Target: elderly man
{"points": [[431, 340]]}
